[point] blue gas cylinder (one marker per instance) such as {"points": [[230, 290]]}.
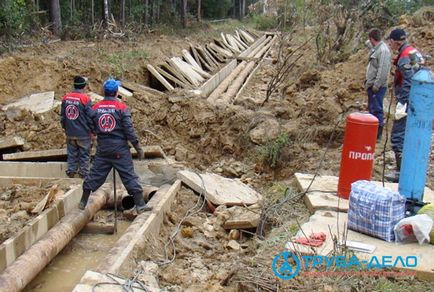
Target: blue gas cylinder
{"points": [[418, 133]]}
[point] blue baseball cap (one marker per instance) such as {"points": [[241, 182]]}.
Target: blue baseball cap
{"points": [[111, 85], [398, 34]]}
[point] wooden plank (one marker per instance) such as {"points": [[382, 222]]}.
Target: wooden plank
{"points": [[225, 46], [257, 43], [233, 43], [211, 84], [225, 41], [223, 86], [225, 53], [171, 78], [210, 56], [203, 62], [194, 54], [205, 56], [215, 54], [189, 77], [240, 44], [145, 226], [195, 69], [187, 70], [238, 38], [160, 78], [335, 223], [13, 247], [124, 92], [34, 155], [248, 38], [220, 190], [175, 73], [189, 58], [37, 103], [11, 142], [322, 194]]}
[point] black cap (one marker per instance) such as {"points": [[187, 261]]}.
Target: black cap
{"points": [[80, 82], [398, 34]]}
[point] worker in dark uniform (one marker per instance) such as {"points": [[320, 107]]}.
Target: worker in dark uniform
{"points": [[114, 128], [405, 70], [75, 117]]}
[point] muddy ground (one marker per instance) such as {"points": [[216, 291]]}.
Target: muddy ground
{"points": [[18, 201], [234, 141]]}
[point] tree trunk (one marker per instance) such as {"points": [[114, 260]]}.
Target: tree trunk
{"points": [[93, 12], [199, 12], [146, 12], [122, 16], [240, 8], [184, 13], [106, 13], [234, 8], [55, 17], [243, 10]]}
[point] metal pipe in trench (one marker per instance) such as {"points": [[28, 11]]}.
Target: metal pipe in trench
{"points": [[126, 201], [16, 276]]}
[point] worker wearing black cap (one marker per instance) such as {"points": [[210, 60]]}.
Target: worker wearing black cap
{"points": [[114, 128], [75, 117], [405, 69]]}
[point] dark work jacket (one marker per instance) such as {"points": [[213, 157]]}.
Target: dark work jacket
{"points": [[113, 126], [75, 115]]}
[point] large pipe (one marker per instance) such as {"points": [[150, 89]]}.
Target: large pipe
{"points": [[125, 201], [16, 276]]}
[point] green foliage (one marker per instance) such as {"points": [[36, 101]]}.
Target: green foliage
{"points": [[216, 9], [263, 22], [12, 17], [120, 61], [270, 153]]}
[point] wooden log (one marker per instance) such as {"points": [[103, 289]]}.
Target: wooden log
{"points": [[238, 38], [160, 78], [238, 82], [195, 69], [98, 228], [21, 272], [225, 45], [230, 39], [225, 41], [216, 94], [171, 78]]}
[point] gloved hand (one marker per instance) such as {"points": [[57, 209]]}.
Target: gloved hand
{"points": [[375, 89], [140, 152]]}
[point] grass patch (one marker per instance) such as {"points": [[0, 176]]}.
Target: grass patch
{"points": [[270, 153], [121, 61]]}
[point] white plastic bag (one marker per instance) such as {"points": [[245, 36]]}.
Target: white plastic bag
{"points": [[414, 228], [400, 111]]}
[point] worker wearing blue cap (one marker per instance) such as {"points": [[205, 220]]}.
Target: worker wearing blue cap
{"points": [[114, 128]]}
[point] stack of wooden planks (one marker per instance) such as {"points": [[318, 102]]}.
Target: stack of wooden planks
{"points": [[196, 65]]}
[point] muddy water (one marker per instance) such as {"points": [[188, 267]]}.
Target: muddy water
{"points": [[84, 252]]}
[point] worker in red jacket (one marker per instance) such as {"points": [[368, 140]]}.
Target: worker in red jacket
{"points": [[75, 117], [114, 128]]}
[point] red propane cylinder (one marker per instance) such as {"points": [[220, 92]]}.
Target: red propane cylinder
{"points": [[358, 152]]}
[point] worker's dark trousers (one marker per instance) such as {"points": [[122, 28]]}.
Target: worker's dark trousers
{"points": [[397, 136], [78, 150], [102, 165], [375, 104]]}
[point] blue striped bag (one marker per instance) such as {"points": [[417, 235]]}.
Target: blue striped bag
{"points": [[374, 210]]}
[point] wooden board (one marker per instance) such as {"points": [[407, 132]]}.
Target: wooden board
{"points": [[323, 192], [13, 247], [160, 78], [34, 155], [321, 221], [171, 77], [37, 103], [11, 142], [189, 58], [220, 190], [146, 226]]}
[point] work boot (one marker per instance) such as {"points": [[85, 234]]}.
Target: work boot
{"points": [[394, 176], [379, 134], [84, 199], [70, 174], [139, 200]]}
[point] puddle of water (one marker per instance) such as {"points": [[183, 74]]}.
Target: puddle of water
{"points": [[83, 253]]}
